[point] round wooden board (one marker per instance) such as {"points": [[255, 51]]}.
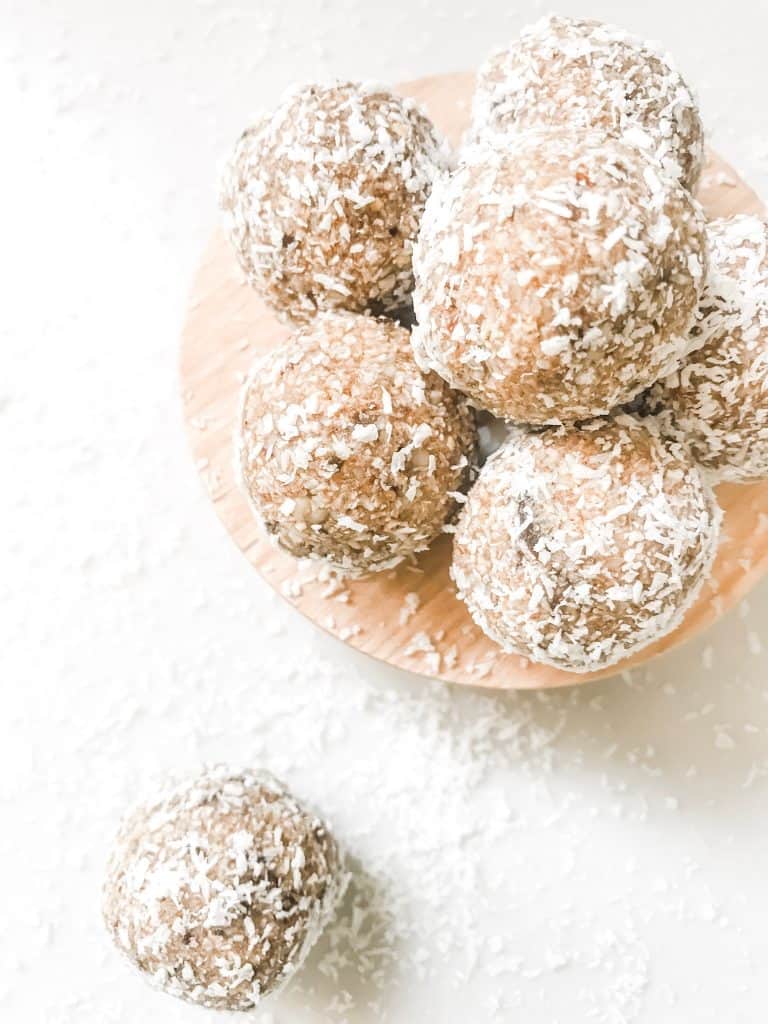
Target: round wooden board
{"points": [[227, 326]]}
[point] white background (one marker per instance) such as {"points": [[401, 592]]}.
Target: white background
{"points": [[596, 855]]}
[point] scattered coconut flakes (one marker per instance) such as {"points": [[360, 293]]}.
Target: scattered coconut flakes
{"points": [[411, 603]]}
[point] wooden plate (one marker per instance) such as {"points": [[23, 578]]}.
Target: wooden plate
{"points": [[410, 617]]}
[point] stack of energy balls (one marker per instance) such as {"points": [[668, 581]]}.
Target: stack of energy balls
{"points": [[562, 278]]}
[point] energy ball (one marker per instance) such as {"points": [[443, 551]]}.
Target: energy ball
{"points": [[578, 547], [718, 401], [556, 278], [322, 199], [216, 889], [587, 75], [348, 452]]}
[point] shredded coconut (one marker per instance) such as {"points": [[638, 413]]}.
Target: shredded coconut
{"points": [[576, 548], [589, 75], [218, 888], [322, 198], [348, 452], [547, 318], [717, 402]]}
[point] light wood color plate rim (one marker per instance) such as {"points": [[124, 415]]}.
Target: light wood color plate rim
{"points": [[227, 326]]}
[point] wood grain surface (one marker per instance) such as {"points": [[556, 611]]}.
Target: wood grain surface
{"points": [[430, 633]]}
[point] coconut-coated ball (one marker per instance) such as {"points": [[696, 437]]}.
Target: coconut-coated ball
{"points": [[588, 75], [322, 199], [717, 402], [577, 547], [217, 887], [348, 451], [556, 277]]}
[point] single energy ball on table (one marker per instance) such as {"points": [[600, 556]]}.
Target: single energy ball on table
{"points": [[323, 198], [577, 547], [556, 278], [348, 451], [217, 888], [717, 402], [584, 74]]}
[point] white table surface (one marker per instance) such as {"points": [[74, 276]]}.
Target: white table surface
{"points": [[597, 854]]}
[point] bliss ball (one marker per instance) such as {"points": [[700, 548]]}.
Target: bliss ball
{"points": [[556, 278], [349, 452], [322, 199], [217, 888], [578, 547], [717, 402], [587, 75]]}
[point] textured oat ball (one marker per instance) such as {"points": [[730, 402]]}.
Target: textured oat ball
{"points": [[217, 888], [322, 199], [557, 277], [348, 452], [587, 75], [577, 547], [718, 401]]}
